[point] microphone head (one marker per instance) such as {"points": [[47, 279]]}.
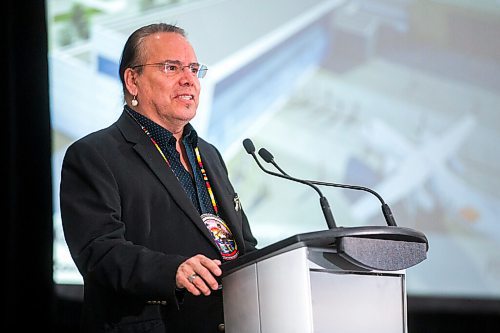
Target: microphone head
{"points": [[249, 147], [266, 155]]}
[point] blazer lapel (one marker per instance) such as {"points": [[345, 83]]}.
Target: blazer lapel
{"points": [[144, 147], [223, 195]]}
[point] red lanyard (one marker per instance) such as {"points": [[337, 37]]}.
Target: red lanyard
{"points": [[205, 178]]}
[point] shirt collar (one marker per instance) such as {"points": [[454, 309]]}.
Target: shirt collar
{"points": [[161, 134]]}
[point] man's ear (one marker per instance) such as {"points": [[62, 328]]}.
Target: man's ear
{"points": [[130, 79]]}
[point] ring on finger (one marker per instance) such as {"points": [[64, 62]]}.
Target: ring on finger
{"points": [[192, 277]]}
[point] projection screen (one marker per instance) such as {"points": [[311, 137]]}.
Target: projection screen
{"points": [[402, 96]]}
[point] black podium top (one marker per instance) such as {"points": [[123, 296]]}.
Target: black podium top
{"points": [[370, 248]]}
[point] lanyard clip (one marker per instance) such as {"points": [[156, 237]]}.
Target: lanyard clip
{"points": [[237, 203]]}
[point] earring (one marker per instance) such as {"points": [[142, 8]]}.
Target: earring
{"points": [[135, 102]]}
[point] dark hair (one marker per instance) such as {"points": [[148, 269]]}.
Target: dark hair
{"points": [[132, 51]]}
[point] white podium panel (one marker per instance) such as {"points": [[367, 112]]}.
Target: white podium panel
{"points": [[368, 304]]}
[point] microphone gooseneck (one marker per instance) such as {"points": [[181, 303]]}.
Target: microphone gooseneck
{"points": [[325, 206], [386, 210]]}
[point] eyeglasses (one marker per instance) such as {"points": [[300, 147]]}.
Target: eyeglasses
{"points": [[172, 68]]}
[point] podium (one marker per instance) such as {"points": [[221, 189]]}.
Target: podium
{"points": [[338, 280]]}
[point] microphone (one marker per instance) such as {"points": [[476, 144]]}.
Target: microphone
{"points": [[269, 158], [389, 218], [325, 206]]}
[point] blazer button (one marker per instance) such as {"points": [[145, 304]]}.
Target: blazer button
{"points": [[221, 327]]}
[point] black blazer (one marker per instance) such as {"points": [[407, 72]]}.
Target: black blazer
{"points": [[129, 224]]}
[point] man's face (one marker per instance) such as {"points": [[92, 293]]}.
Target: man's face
{"points": [[170, 100]]}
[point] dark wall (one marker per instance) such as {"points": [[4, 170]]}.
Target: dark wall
{"points": [[27, 249], [27, 219], [443, 315]]}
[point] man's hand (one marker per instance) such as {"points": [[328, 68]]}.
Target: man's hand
{"points": [[197, 274]]}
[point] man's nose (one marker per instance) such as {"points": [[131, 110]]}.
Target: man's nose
{"points": [[187, 76]]}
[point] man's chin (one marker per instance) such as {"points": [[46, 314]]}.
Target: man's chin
{"points": [[188, 115]]}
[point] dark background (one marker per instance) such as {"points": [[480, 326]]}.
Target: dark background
{"points": [[29, 295]]}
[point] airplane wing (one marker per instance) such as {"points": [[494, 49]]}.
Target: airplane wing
{"points": [[416, 167]]}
